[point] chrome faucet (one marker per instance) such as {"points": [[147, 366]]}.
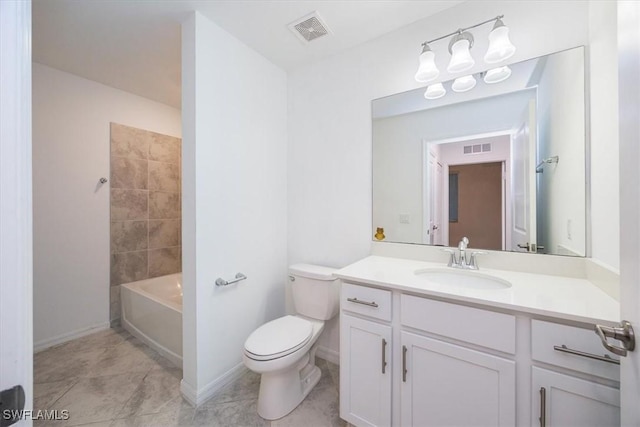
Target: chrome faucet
{"points": [[461, 261]]}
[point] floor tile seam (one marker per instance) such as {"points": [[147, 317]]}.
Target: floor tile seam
{"points": [[126, 401], [211, 402], [76, 381]]}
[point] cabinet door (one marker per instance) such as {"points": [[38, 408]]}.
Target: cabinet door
{"points": [[449, 385], [365, 372], [571, 401]]}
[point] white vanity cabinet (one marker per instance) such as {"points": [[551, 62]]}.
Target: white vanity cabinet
{"points": [[365, 356], [445, 384], [560, 399], [568, 401], [412, 360], [440, 383]]}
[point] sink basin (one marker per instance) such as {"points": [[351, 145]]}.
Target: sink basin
{"points": [[462, 279]]}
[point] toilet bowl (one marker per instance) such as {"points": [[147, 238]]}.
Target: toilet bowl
{"points": [[283, 350]]}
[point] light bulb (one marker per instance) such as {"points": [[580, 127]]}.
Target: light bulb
{"points": [[427, 71], [435, 91], [500, 47], [461, 59], [463, 84], [497, 75]]}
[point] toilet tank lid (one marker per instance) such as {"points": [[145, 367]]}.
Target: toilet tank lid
{"points": [[310, 271]]}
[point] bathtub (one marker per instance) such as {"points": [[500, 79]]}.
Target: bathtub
{"points": [[152, 312]]}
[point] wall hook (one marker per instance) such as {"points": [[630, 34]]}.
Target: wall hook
{"points": [[103, 180]]}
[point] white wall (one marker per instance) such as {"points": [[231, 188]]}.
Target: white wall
{"points": [[561, 124], [329, 156], [234, 200], [71, 119]]}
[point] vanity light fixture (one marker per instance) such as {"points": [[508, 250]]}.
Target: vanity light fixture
{"points": [[461, 59], [427, 71], [463, 84], [500, 48], [497, 75], [435, 91]]}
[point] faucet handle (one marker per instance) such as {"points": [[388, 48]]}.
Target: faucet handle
{"points": [[473, 264], [452, 258]]}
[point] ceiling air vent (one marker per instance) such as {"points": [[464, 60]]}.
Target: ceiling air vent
{"points": [[477, 148], [309, 27]]}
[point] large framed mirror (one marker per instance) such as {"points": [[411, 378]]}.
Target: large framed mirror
{"points": [[503, 163]]}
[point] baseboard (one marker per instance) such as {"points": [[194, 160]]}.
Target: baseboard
{"points": [[198, 397], [328, 355], [60, 339]]}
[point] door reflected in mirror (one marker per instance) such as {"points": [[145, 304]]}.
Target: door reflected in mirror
{"points": [[503, 164]]}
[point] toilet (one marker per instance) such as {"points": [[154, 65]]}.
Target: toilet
{"points": [[283, 350]]}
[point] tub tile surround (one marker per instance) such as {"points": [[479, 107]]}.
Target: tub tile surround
{"points": [[145, 207], [112, 379]]}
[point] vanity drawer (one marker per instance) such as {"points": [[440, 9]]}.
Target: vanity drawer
{"points": [[473, 325], [547, 336], [370, 302]]}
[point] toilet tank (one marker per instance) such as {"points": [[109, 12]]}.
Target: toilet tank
{"points": [[316, 293]]}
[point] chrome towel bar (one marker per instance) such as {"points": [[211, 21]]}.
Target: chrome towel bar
{"points": [[221, 282]]}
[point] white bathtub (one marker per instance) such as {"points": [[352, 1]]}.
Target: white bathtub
{"points": [[152, 312]]}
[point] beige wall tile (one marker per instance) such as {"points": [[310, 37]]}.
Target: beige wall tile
{"points": [[165, 148], [164, 233], [164, 177], [164, 205], [129, 142], [128, 267], [129, 204], [129, 173], [165, 261], [127, 236]]}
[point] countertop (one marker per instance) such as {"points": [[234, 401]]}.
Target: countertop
{"points": [[565, 298]]}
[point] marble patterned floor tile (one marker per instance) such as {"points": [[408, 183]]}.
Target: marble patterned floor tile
{"points": [[46, 394], [174, 418], [319, 409], [58, 364], [239, 413], [326, 380], [158, 392], [97, 399], [244, 388], [334, 371], [104, 339], [131, 356]]}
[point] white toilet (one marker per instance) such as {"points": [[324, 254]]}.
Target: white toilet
{"points": [[283, 350]]}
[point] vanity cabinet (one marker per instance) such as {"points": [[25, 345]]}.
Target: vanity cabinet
{"points": [[440, 383], [567, 401], [365, 356], [560, 399], [410, 360], [447, 384]]}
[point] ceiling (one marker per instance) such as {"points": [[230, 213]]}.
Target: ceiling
{"points": [[134, 45]]}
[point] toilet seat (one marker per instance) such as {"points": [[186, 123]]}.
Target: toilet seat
{"points": [[278, 338]]}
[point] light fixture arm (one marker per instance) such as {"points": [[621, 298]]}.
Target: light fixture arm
{"points": [[462, 30]]}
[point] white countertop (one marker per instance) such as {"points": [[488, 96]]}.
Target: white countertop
{"points": [[559, 297]]}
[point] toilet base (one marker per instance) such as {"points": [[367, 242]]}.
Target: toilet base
{"points": [[281, 392]]}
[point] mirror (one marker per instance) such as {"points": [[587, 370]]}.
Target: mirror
{"points": [[502, 164]]}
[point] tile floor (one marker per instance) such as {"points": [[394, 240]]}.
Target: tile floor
{"points": [[112, 379]]}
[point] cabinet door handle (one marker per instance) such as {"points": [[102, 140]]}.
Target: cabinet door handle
{"points": [[357, 301], [543, 407], [606, 358], [384, 355], [404, 363]]}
